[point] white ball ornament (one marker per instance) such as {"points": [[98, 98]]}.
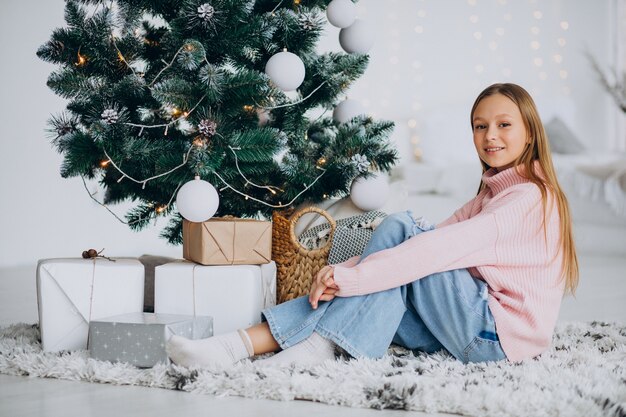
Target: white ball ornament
{"points": [[286, 70], [197, 200], [370, 193], [341, 13], [346, 110], [357, 38]]}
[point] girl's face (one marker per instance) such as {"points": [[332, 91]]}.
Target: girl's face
{"points": [[499, 132]]}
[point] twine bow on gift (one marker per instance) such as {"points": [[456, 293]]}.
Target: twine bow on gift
{"points": [[93, 254], [193, 286]]}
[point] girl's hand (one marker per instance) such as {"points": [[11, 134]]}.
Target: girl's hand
{"points": [[323, 287]]}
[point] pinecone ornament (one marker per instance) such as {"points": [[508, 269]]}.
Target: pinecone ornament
{"points": [[66, 127], [206, 12], [207, 127], [360, 162], [308, 23], [110, 116]]}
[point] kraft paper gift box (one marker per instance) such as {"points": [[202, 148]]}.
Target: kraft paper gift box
{"points": [[140, 338], [233, 295], [225, 241], [72, 292]]}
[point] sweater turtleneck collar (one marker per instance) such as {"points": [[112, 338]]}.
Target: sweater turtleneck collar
{"points": [[498, 181]]}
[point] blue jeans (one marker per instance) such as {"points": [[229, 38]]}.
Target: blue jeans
{"points": [[446, 310]]}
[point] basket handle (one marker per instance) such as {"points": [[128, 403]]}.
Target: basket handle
{"points": [[292, 228]]}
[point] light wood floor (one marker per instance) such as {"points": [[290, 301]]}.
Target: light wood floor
{"points": [[21, 396], [600, 297]]}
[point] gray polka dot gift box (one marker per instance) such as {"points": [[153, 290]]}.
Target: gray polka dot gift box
{"points": [[139, 338]]}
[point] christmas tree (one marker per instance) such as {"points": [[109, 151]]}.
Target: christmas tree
{"points": [[160, 91]]}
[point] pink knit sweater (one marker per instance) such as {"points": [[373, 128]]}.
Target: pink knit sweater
{"points": [[498, 236]]}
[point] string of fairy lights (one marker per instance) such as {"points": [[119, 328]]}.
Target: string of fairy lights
{"points": [[160, 208], [181, 116]]}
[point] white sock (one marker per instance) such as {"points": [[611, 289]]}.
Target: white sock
{"points": [[312, 350], [224, 349]]}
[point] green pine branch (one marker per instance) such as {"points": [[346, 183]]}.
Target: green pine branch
{"points": [[150, 82]]}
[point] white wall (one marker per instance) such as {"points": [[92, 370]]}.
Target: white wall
{"points": [[430, 77], [433, 57]]}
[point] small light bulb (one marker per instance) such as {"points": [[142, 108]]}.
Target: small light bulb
{"points": [[81, 60], [272, 191], [105, 163]]}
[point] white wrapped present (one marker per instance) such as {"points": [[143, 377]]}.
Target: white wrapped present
{"points": [[233, 295], [72, 292]]}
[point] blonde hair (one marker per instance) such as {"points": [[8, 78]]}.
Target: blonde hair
{"points": [[539, 150]]}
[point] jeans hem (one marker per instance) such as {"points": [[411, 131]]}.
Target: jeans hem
{"points": [[342, 343], [272, 325]]}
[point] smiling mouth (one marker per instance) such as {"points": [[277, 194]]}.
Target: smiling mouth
{"points": [[493, 150]]}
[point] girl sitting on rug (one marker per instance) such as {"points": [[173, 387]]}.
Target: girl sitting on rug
{"points": [[485, 284]]}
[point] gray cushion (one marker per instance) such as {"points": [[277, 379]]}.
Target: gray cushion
{"points": [[561, 138], [351, 235]]}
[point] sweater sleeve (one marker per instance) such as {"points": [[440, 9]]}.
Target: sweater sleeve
{"points": [[472, 242], [429, 252], [349, 263]]}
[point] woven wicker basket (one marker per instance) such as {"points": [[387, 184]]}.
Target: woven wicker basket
{"points": [[297, 265]]}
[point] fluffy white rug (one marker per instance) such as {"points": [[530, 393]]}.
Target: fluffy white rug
{"points": [[584, 374]]}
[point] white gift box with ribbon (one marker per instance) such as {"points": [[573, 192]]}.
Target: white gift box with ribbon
{"points": [[73, 291], [233, 295]]}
